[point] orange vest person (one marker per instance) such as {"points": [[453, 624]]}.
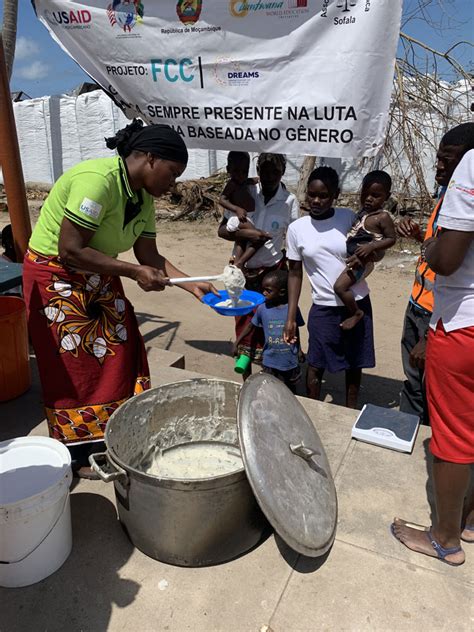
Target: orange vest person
{"points": [[422, 291], [420, 306]]}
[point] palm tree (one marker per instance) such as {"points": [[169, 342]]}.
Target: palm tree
{"points": [[10, 14]]}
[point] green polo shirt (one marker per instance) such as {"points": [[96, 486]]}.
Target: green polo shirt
{"points": [[94, 194]]}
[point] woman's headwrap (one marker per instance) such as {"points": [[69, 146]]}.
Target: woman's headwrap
{"points": [[161, 141]]}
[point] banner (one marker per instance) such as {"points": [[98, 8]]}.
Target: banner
{"points": [[292, 76]]}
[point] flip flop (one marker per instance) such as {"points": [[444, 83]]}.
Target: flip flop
{"points": [[467, 527], [412, 525], [441, 551]]}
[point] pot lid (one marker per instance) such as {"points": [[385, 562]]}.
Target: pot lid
{"points": [[286, 465]]}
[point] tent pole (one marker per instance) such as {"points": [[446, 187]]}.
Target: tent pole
{"points": [[10, 162]]}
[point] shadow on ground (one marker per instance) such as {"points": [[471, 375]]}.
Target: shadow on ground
{"points": [[216, 347], [80, 595], [375, 389], [19, 416], [162, 328], [300, 563]]}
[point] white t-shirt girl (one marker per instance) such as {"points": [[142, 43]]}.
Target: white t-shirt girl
{"points": [[321, 245]]}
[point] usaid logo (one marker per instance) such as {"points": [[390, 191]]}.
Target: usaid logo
{"points": [[72, 19]]}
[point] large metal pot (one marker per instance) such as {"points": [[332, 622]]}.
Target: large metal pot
{"points": [[184, 522]]}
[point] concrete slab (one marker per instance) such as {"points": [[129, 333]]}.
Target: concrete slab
{"points": [[367, 581], [361, 590], [333, 424], [168, 374], [239, 595], [106, 584], [158, 358], [376, 484]]}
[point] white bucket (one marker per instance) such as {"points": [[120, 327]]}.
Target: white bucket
{"points": [[35, 516]]}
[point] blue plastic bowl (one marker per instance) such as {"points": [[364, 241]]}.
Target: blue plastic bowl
{"points": [[254, 297]]}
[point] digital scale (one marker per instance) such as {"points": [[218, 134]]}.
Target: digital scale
{"points": [[386, 427]]}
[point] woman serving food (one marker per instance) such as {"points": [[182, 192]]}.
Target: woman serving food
{"points": [[91, 356]]}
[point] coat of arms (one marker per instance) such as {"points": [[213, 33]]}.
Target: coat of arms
{"points": [[189, 11]]}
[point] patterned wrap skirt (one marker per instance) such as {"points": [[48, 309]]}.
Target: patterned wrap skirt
{"points": [[90, 353]]}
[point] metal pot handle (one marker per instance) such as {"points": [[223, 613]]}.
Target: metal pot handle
{"points": [[308, 455], [101, 459]]}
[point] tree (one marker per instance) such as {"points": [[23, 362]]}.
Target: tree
{"points": [[10, 16], [431, 94], [425, 104]]}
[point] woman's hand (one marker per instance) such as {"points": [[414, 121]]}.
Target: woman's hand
{"points": [[409, 229], [149, 278], [200, 289], [290, 332]]}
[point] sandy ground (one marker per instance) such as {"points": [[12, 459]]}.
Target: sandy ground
{"points": [[174, 320]]}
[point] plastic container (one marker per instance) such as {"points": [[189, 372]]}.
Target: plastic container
{"points": [[254, 299], [15, 376], [35, 516], [242, 364]]}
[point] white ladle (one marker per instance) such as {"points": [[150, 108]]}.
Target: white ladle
{"points": [[231, 273], [232, 278], [196, 279]]}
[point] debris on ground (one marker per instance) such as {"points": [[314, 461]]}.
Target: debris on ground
{"points": [[192, 199]]}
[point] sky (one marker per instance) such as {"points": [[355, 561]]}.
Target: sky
{"points": [[42, 68]]}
